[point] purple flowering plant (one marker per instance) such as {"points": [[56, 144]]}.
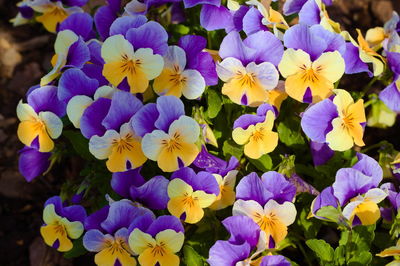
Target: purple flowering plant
{"points": [[215, 133]]}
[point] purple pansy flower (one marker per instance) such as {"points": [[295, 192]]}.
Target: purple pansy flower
{"points": [[108, 231], [152, 194], [62, 223]]}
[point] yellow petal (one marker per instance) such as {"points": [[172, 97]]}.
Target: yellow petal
{"points": [[114, 73], [51, 18], [368, 212], [53, 232], [339, 138]]}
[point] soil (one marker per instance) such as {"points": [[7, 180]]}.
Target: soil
{"points": [[25, 53]]}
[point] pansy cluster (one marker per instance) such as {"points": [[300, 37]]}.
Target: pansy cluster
{"points": [[208, 128]]}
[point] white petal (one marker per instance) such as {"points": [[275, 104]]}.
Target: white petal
{"points": [[266, 74], [115, 47], [75, 108], [286, 211], [101, 147], [187, 128], [104, 92], [349, 209], [219, 179], [53, 124], [247, 208], [376, 195], [175, 58], [292, 61], [195, 84], [151, 64], [228, 68], [25, 112], [230, 178], [151, 143], [64, 40]]}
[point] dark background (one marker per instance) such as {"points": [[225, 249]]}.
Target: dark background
{"points": [[25, 53]]}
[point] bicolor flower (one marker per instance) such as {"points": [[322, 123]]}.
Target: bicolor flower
{"points": [[119, 144], [227, 195], [169, 136], [79, 91], [248, 68], [131, 184], [53, 12], [121, 61], [61, 224], [175, 79], [31, 162], [357, 193], [108, 232], [70, 51], [40, 118], [159, 243], [312, 63], [338, 122], [267, 201], [266, 16], [25, 13], [213, 164], [273, 218], [245, 237], [258, 138], [391, 96], [359, 54], [190, 193]]}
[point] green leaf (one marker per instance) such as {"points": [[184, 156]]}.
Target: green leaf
{"points": [[340, 255], [231, 148], [214, 103], [323, 250], [290, 133], [334, 215], [191, 257], [77, 250], [264, 163], [79, 143], [361, 259]]}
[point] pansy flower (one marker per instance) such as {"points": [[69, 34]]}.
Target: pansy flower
{"points": [[175, 79], [190, 193], [108, 231], [255, 132], [391, 95], [212, 164], [159, 243], [338, 122], [53, 12], [355, 191], [227, 195], [187, 69], [378, 36], [248, 67], [268, 202], [70, 51], [40, 118], [359, 54], [119, 144], [79, 91], [169, 136], [246, 236], [262, 17], [312, 63], [62, 223], [134, 52], [25, 13], [131, 184]]}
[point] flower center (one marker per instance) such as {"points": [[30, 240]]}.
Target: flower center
{"points": [[59, 229], [309, 74], [258, 135], [124, 144], [116, 246], [158, 250], [246, 79], [130, 65], [173, 143], [265, 221], [189, 200]]}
